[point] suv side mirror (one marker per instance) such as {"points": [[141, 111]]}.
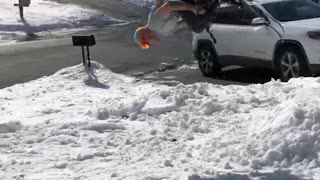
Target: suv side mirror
{"points": [[260, 21]]}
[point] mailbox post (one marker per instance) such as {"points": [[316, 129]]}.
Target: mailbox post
{"points": [[84, 41], [21, 4]]}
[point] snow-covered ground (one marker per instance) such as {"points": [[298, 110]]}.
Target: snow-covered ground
{"points": [[94, 124], [47, 18]]}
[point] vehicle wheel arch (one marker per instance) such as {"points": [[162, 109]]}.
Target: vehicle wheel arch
{"points": [[281, 45], [204, 42], [207, 58]]}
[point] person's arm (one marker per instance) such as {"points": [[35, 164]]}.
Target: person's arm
{"points": [[159, 3], [181, 24], [167, 8]]}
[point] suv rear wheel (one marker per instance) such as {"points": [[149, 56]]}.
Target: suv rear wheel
{"points": [[291, 64], [208, 62]]}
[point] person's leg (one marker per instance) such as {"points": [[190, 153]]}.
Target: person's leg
{"points": [[182, 24], [198, 23], [169, 7]]}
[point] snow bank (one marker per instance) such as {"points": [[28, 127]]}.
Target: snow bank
{"points": [[94, 124], [45, 18]]}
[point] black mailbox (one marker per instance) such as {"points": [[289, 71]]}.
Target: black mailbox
{"points": [[83, 40], [23, 3]]}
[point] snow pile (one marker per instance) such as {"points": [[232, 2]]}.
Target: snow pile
{"points": [[44, 18], [94, 124]]}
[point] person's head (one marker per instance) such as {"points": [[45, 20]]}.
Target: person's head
{"points": [[145, 37]]}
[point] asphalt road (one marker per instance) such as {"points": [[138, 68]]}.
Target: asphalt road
{"points": [[115, 49]]}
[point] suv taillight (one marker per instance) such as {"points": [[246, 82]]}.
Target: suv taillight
{"points": [[314, 34]]}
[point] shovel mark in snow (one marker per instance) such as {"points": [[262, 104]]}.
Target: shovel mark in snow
{"points": [[61, 165], [51, 111], [160, 109], [93, 80], [102, 127], [102, 114], [82, 157], [10, 127]]}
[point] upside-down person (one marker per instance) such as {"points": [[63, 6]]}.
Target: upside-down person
{"points": [[162, 21]]}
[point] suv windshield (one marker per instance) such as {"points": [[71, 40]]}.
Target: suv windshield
{"points": [[293, 10]]}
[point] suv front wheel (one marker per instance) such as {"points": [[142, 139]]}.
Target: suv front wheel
{"points": [[291, 64], [208, 62]]}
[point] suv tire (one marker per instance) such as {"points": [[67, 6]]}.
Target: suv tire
{"points": [[208, 62], [291, 64]]}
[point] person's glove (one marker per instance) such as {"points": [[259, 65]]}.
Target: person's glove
{"points": [[200, 10]]}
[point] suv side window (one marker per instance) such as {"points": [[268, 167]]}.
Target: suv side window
{"points": [[248, 14], [228, 15], [236, 15]]}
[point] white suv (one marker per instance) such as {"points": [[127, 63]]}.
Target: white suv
{"points": [[280, 34]]}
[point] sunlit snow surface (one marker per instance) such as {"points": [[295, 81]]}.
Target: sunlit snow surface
{"points": [[45, 18], [94, 124]]}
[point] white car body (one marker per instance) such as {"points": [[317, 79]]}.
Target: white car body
{"points": [[255, 45]]}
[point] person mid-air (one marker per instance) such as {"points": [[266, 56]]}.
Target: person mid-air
{"points": [[168, 16]]}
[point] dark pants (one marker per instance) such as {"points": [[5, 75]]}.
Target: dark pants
{"points": [[198, 23]]}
